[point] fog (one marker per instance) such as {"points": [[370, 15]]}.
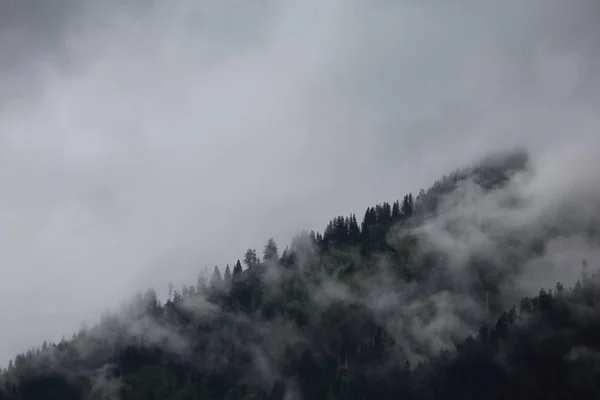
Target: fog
{"points": [[141, 141]]}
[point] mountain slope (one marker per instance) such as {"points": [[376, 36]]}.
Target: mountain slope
{"points": [[409, 303]]}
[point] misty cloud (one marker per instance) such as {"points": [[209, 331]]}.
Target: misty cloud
{"points": [[141, 141]]}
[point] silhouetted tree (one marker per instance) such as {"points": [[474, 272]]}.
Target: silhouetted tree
{"points": [[250, 258], [270, 252], [227, 276], [237, 269], [216, 280]]}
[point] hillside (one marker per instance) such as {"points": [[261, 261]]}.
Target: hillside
{"points": [[423, 298]]}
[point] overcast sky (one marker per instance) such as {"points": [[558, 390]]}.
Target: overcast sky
{"points": [[141, 140]]}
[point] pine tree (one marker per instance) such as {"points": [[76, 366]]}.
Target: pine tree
{"points": [[227, 276], [177, 297], [270, 252], [407, 206], [216, 281], [237, 269], [313, 236], [250, 258], [384, 213], [353, 230], [201, 285], [396, 210], [369, 220]]}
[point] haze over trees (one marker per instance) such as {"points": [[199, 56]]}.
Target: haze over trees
{"points": [[420, 298]]}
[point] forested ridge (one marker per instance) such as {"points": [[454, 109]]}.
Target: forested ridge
{"points": [[386, 305]]}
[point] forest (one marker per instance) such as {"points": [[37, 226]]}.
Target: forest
{"points": [[420, 298]]}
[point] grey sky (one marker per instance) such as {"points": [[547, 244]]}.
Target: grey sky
{"points": [[143, 140]]}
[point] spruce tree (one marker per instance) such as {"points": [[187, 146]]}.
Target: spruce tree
{"points": [[227, 276], [237, 269], [270, 252], [216, 281], [250, 258]]}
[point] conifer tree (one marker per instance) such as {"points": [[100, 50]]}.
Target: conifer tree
{"points": [[237, 269], [201, 285], [270, 252], [396, 211], [353, 230], [216, 281], [250, 258], [227, 276]]}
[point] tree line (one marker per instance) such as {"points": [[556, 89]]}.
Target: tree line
{"points": [[312, 322]]}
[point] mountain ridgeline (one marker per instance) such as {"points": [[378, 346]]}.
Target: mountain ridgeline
{"points": [[421, 299]]}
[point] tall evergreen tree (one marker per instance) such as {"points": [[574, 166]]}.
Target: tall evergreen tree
{"points": [[250, 258], [353, 230], [270, 252], [201, 284], [237, 269], [227, 276], [396, 211], [407, 206], [216, 280]]}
